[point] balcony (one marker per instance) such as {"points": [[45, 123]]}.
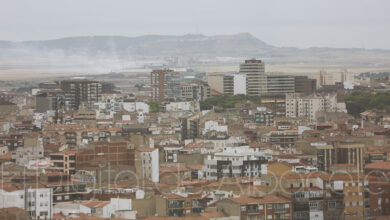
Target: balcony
{"points": [[280, 209]]}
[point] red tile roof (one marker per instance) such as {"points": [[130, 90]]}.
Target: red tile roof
{"points": [[145, 149], [379, 165], [95, 204]]}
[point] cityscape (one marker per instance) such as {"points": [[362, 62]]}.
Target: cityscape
{"points": [[195, 126]]}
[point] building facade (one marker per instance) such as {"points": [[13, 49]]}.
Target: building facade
{"points": [[147, 163], [256, 80], [280, 84], [164, 85], [81, 91]]}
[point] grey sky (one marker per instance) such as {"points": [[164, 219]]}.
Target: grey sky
{"points": [[300, 23]]}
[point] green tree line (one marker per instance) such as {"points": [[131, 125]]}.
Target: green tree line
{"points": [[359, 102]]}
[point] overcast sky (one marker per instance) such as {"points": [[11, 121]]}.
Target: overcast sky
{"points": [[299, 23]]}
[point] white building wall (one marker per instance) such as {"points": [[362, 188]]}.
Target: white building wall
{"points": [[316, 215], [135, 106], [40, 200], [118, 204], [155, 166], [85, 209], [214, 126], [12, 199], [239, 84], [179, 106], [43, 201]]}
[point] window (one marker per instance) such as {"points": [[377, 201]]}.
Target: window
{"points": [[269, 217], [59, 198], [286, 205], [313, 205], [43, 213], [346, 203], [261, 207], [243, 208], [269, 206]]}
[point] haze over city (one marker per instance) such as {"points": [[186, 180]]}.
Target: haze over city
{"points": [[298, 23], [194, 110]]}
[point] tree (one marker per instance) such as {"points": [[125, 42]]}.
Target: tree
{"points": [[154, 106], [359, 102]]}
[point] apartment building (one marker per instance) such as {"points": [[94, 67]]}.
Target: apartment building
{"points": [[164, 85], [275, 103], [343, 152], [147, 163], [197, 91], [280, 84], [215, 81], [64, 161], [256, 80], [298, 105], [62, 187], [35, 199], [352, 188], [180, 204], [114, 154], [305, 85], [376, 196], [23, 155], [264, 117], [81, 91], [267, 207], [285, 138], [49, 100], [228, 83], [7, 108], [240, 161]]}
